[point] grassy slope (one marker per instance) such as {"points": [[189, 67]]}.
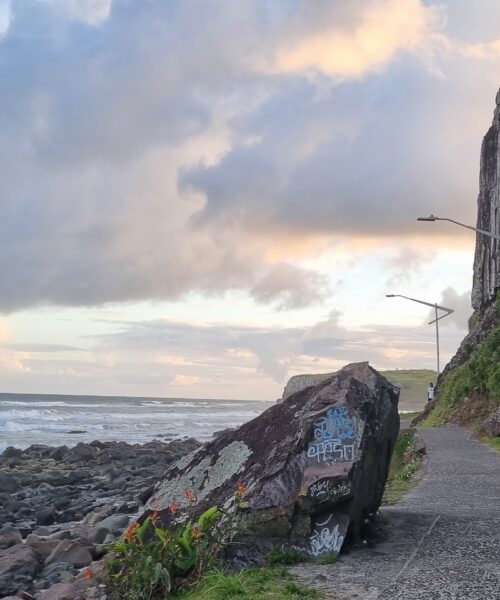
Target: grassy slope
{"points": [[250, 584], [405, 464], [471, 391], [413, 384]]}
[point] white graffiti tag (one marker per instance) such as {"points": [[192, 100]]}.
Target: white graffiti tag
{"points": [[326, 538], [325, 488]]}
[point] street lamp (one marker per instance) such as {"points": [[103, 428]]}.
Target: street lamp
{"points": [[436, 307], [495, 236]]}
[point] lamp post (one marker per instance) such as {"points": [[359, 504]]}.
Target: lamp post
{"points": [[495, 236], [436, 307]]}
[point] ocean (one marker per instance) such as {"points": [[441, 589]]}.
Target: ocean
{"points": [[27, 419]]}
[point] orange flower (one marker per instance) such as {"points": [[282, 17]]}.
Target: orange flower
{"points": [[241, 489], [173, 507], [189, 495], [196, 532], [131, 533], [154, 516], [88, 573]]}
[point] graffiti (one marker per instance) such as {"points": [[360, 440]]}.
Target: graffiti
{"points": [[325, 488], [334, 437], [326, 537], [336, 424]]}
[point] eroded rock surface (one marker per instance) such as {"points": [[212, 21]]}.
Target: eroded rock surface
{"points": [[315, 464], [487, 258]]}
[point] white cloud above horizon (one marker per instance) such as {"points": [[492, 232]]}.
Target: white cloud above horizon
{"points": [[155, 151]]}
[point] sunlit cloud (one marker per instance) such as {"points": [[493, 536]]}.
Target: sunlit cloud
{"points": [[381, 29]]}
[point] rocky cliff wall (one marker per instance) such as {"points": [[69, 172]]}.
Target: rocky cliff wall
{"points": [[486, 280]]}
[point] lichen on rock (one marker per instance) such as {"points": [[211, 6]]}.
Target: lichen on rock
{"points": [[315, 465]]}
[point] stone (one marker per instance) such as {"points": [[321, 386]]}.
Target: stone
{"points": [[62, 591], [19, 565], [71, 552], [315, 465], [46, 515], [9, 536], [9, 484], [57, 572], [42, 547], [491, 426], [114, 522]]}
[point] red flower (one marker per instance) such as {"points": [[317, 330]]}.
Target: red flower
{"points": [[173, 507], [196, 532], [88, 573], [189, 495]]}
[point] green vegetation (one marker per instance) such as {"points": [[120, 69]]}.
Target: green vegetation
{"points": [[250, 584], [153, 563], [472, 390], [284, 556], [406, 461], [494, 442], [410, 415], [413, 384]]}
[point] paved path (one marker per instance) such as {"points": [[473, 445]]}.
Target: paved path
{"points": [[441, 542]]}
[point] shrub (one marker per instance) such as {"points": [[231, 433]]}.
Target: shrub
{"points": [[151, 562]]}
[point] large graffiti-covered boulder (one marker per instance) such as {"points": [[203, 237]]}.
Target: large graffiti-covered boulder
{"points": [[314, 466]]}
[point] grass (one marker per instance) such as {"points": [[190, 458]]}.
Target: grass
{"points": [[250, 584], [494, 442], [285, 556], [471, 391], [405, 463], [412, 382]]}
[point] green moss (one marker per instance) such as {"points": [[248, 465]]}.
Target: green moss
{"points": [[472, 390], [250, 584], [405, 463]]}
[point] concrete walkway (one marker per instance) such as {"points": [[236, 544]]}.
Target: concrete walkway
{"points": [[441, 542]]}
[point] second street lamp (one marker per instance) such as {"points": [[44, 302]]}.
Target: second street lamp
{"points": [[490, 234], [436, 307]]}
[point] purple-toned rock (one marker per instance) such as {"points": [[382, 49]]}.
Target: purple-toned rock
{"points": [[71, 552], [62, 591], [18, 567], [315, 464]]}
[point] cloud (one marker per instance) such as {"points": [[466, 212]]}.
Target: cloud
{"points": [[358, 37], [143, 160], [461, 305]]}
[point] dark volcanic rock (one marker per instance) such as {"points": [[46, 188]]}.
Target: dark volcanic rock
{"points": [[18, 566], [315, 465]]}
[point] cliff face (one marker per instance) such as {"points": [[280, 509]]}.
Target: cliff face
{"points": [[486, 280]]}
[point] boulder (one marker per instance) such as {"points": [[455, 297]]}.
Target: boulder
{"points": [[71, 552], [491, 426], [315, 465], [18, 566], [62, 591], [9, 536]]}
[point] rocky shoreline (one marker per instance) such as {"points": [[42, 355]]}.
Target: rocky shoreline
{"points": [[59, 506]]}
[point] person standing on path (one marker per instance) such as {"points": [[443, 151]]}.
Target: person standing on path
{"points": [[430, 392]]}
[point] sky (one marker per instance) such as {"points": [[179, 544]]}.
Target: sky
{"points": [[201, 199]]}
